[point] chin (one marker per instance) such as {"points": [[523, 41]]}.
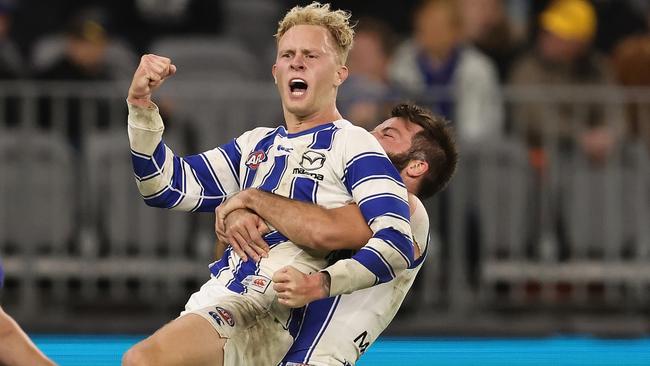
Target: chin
{"points": [[298, 109]]}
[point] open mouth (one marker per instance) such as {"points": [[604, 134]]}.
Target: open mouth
{"points": [[298, 87]]}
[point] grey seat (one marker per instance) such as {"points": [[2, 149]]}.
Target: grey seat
{"points": [[119, 213], [38, 192], [635, 200], [503, 187], [597, 201], [234, 109], [239, 17], [208, 58]]}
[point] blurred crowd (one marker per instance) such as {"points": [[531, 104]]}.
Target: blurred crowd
{"points": [[454, 53]]}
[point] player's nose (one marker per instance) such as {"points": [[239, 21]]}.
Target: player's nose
{"points": [[297, 63]]}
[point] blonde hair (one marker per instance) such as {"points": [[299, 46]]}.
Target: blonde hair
{"points": [[337, 22]]}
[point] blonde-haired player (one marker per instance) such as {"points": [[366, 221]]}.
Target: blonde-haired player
{"points": [[318, 157]]}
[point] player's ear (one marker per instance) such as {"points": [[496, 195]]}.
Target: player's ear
{"points": [[417, 168], [273, 71], [341, 75]]}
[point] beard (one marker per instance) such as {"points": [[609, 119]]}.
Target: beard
{"points": [[400, 160]]}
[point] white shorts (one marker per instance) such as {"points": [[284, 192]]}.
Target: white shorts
{"points": [[241, 305], [255, 336]]}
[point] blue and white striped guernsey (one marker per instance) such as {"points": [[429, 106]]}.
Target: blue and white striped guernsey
{"points": [[330, 165]]}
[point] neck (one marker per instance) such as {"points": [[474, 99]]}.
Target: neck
{"points": [[296, 124]]}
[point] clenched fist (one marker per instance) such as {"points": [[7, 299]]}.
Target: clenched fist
{"points": [[296, 289], [150, 74]]}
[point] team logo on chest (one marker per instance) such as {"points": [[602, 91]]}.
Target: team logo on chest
{"points": [[312, 160], [255, 159]]}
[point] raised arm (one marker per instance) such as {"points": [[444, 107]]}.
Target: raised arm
{"points": [[193, 183]]}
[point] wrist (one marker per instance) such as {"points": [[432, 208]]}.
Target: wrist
{"points": [[321, 285], [143, 102], [250, 197]]}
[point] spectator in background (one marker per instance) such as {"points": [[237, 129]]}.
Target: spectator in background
{"points": [[579, 136], [437, 58], [617, 19], [84, 59], [364, 96], [564, 56], [486, 26], [631, 60]]}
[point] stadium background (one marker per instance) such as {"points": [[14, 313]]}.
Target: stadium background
{"points": [[545, 230]]}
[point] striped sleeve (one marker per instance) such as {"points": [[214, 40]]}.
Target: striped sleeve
{"points": [[377, 187], [192, 183]]}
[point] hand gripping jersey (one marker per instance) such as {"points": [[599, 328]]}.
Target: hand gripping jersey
{"points": [[330, 165]]}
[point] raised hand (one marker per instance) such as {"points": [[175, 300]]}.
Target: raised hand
{"points": [[149, 76]]}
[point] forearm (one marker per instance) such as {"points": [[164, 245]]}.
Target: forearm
{"points": [[390, 250], [168, 181], [308, 224], [379, 261], [348, 275], [152, 163], [145, 127]]}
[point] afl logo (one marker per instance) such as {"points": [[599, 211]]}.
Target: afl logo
{"points": [[255, 159], [312, 160]]}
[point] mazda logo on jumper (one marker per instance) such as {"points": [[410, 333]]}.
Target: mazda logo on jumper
{"points": [[312, 160]]}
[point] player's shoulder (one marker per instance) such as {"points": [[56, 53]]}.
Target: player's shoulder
{"points": [[419, 215], [356, 138], [416, 206], [419, 222], [350, 128], [258, 133], [264, 131]]}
